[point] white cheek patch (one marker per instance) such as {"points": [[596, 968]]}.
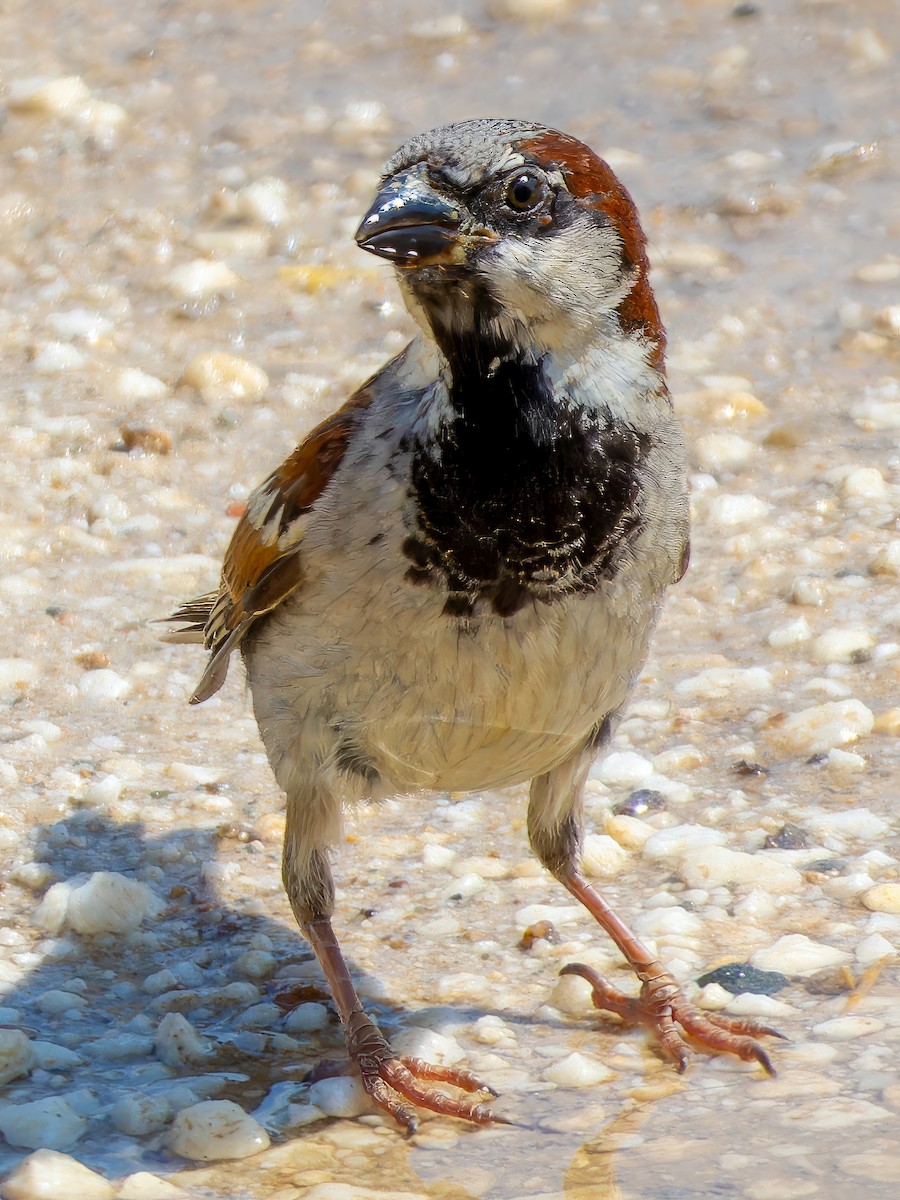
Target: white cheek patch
{"points": [[572, 276]]}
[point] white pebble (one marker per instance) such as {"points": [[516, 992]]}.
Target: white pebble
{"points": [[159, 982], [723, 451], [667, 922], [214, 1130], [601, 856], [106, 903], [103, 685], [48, 1175], [860, 823], [259, 1016], [341, 1096], [873, 949], [192, 774], [749, 1004], [846, 1029], [713, 997], [796, 954], [55, 358], [256, 964], [16, 1054], [623, 768], [572, 995], [728, 511], [50, 1124], [264, 201], [678, 758], [864, 483], [136, 386], [417, 1042], [144, 1186], [220, 377], [883, 897], [678, 839], [306, 1018], [790, 634], [50, 1057], [138, 1113], [104, 791], [847, 762], [578, 1071], [437, 856], [887, 560], [717, 866], [80, 323], [816, 730], [630, 832], [718, 683], [17, 672], [201, 277], [56, 1001], [840, 645], [177, 1042]]}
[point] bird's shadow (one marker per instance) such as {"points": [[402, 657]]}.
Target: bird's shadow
{"points": [[118, 1005]]}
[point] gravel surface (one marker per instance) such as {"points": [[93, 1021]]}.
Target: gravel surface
{"points": [[181, 301]]}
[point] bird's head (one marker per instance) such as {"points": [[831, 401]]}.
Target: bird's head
{"points": [[516, 236]]}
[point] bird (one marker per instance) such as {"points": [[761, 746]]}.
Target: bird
{"points": [[451, 584]]}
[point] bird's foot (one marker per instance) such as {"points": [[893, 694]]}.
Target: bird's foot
{"points": [[400, 1084], [661, 1006]]}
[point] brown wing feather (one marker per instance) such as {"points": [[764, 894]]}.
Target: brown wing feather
{"points": [[263, 564]]}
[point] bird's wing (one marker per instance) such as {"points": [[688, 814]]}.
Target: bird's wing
{"points": [[263, 563]]}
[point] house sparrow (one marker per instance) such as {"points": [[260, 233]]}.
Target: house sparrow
{"points": [[452, 582]]}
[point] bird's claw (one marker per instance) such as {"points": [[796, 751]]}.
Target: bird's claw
{"points": [[661, 1006]]}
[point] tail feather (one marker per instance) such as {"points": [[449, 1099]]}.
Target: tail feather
{"points": [[193, 617]]}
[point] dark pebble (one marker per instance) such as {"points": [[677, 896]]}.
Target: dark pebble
{"points": [[741, 977], [745, 767], [788, 837], [642, 801]]}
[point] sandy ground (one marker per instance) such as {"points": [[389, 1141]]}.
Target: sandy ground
{"points": [[181, 301]]}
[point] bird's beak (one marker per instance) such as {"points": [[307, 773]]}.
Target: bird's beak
{"points": [[411, 223]]}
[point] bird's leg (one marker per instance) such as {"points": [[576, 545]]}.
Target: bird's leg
{"points": [[554, 829], [396, 1084]]}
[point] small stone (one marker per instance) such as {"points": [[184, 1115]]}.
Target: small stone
{"points": [[623, 768], [55, 1002], [103, 686], [841, 645], [16, 1055], [219, 377], [864, 483], [50, 1124], [883, 897], [741, 977], [106, 903], [579, 1071], [306, 1018], [178, 1043], [145, 438], [816, 730], [675, 841], [255, 964], [796, 954], [340, 1096], [48, 1175], [144, 1186], [200, 278], [846, 1029], [873, 949], [602, 857], [717, 866], [216, 1129], [722, 451], [887, 560], [644, 800], [137, 387]]}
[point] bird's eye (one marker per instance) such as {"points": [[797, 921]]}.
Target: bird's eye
{"points": [[525, 192]]}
